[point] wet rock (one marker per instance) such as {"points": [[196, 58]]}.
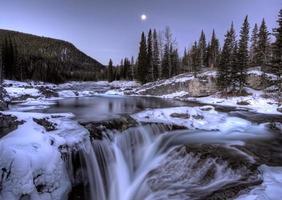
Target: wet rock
{"points": [[8, 123], [49, 126], [279, 109], [3, 105], [180, 115], [47, 92], [204, 171], [243, 103], [122, 123], [198, 117]]}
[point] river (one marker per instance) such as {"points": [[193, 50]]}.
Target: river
{"points": [[157, 162]]}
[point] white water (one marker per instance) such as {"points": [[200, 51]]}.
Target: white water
{"points": [[120, 168]]}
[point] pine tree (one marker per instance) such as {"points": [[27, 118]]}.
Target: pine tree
{"points": [[202, 47], [175, 62], [166, 62], [277, 53], [150, 75], [254, 46], [195, 65], [126, 68], [225, 64], [9, 59], [243, 54], [110, 71], [142, 60], [213, 51], [263, 54], [156, 56]]}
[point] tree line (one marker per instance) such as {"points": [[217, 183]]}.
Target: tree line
{"points": [[158, 56]]}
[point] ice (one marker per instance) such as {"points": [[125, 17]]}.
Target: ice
{"points": [[30, 157], [270, 189], [205, 118]]}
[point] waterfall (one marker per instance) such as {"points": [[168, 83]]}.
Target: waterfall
{"points": [[152, 162]]}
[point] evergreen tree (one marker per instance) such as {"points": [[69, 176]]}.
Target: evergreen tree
{"points": [[263, 54], [126, 67], [277, 53], [156, 56], [213, 51], [175, 62], [142, 60], [254, 46], [9, 59], [202, 47], [225, 65], [243, 54], [110, 71], [165, 62], [150, 76], [195, 64], [184, 61]]}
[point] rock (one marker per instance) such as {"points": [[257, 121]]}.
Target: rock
{"points": [[47, 92], [279, 109], [49, 126], [8, 123], [196, 166], [258, 82], [180, 115], [3, 105], [122, 123], [195, 87], [198, 117], [243, 103]]}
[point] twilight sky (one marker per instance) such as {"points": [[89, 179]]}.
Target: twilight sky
{"points": [[107, 29]]}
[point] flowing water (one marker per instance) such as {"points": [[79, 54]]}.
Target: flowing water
{"points": [[156, 162]]}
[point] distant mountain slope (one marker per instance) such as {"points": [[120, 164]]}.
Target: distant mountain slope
{"points": [[38, 56]]}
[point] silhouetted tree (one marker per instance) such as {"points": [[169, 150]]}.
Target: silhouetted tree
{"points": [[142, 60]]}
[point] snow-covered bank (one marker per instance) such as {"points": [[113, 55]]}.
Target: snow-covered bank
{"points": [[205, 118], [31, 157], [255, 102]]}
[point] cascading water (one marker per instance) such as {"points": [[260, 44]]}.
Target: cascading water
{"points": [[147, 162]]}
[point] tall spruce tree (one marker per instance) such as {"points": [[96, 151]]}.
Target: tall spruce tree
{"points": [[110, 71], [142, 60], [243, 54], [195, 64], [225, 64], [213, 51], [202, 47], [175, 65], [150, 73], [156, 56], [277, 54], [166, 62], [263, 54], [254, 47]]}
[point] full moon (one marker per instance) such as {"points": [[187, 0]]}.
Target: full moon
{"points": [[143, 17]]}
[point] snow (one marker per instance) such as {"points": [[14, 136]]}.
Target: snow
{"points": [[204, 117], [114, 92], [16, 92], [255, 101], [270, 189], [22, 152], [257, 72], [175, 94]]}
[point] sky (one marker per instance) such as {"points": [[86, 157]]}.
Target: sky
{"points": [[106, 29]]}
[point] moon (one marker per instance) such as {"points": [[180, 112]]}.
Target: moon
{"points": [[143, 17]]}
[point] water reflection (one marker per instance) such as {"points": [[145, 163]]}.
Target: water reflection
{"points": [[103, 107]]}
